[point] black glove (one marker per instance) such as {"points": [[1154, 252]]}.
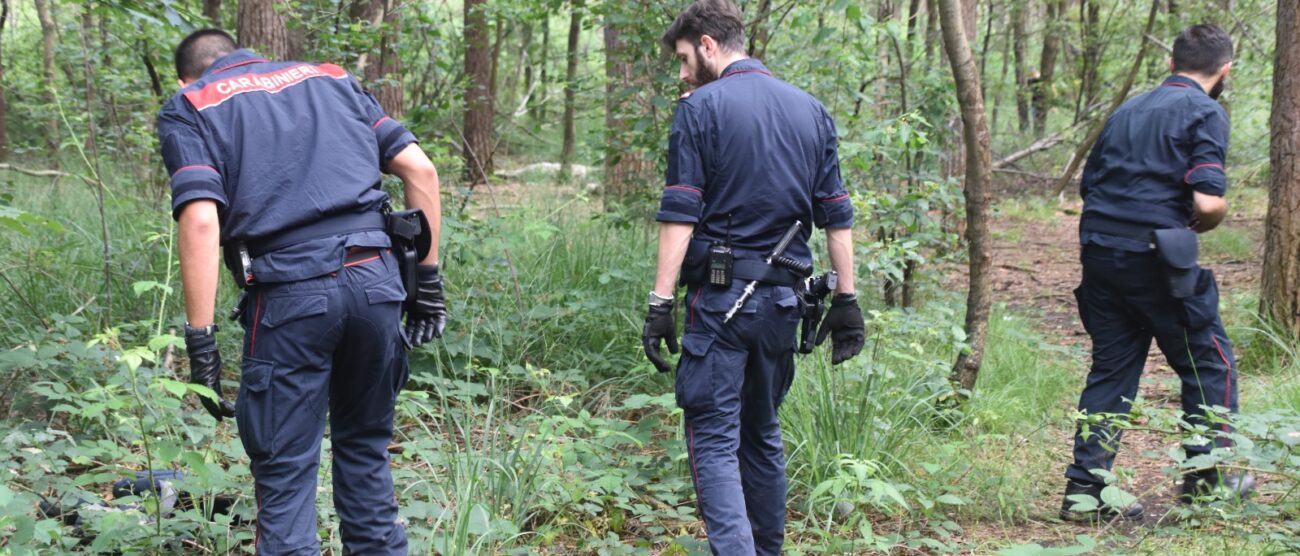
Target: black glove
{"points": [[428, 315], [205, 370], [844, 325], [659, 325]]}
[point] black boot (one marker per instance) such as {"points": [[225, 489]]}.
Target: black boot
{"points": [[1208, 484], [1103, 512]]}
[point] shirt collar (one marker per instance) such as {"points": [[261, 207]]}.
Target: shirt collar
{"points": [[237, 58], [746, 65], [1182, 81]]}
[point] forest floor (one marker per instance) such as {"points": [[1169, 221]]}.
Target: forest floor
{"points": [[1036, 260]]}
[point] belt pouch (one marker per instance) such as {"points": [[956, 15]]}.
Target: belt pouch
{"points": [[1177, 249], [408, 230]]}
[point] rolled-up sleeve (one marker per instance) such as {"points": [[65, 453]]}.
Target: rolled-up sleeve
{"points": [[194, 171], [391, 135], [1209, 143], [832, 207], [683, 195]]}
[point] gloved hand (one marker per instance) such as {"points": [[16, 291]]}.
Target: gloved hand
{"points": [[427, 317], [659, 325], [844, 325], [205, 370]]}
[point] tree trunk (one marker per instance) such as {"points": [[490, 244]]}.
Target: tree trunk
{"points": [[623, 166], [1120, 95], [538, 111], [381, 70], [212, 11], [978, 191], [758, 35], [478, 98], [48, 38], [261, 27], [4, 104], [1089, 25], [1018, 54], [1040, 91], [570, 91], [1280, 287]]}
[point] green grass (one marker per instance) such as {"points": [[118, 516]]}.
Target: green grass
{"points": [[1231, 243]]}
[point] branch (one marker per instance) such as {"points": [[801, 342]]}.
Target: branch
{"points": [[44, 173], [1035, 147], [1082, 151]]}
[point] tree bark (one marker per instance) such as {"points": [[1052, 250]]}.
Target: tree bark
{"points": [[570, 91], [381, 70], [1280, 287], [978, 192], [1089, 23], [212, 11], [1018, 54], [4, 103], [260, 27], [478, 99], [1120, 95], [758, 35], [624, 167], [1041, 92], [48, 38]]}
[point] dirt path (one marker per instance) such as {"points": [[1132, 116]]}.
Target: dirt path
{"points": [[1037, 269]]}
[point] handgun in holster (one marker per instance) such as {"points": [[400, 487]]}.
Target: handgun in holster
{"points": [[812, 304], [408, 230]]}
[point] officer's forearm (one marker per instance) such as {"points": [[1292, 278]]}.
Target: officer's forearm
{"points": [[420, 180], [199, 235], [673, 241], [1209, 211], [840, 244]]}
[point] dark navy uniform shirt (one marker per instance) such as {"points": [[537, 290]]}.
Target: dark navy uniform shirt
{"points": [[756, 151], [278, 145], [1152, 154]]}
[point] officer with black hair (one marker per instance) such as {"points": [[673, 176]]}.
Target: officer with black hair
{"points": [[277, 164], [1154, 180], [752, 165]]}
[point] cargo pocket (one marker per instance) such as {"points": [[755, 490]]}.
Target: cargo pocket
{"points": [[386, 291], [1201, 309], [695, 372], [283, 310], [1083, 309], [255, 408]]}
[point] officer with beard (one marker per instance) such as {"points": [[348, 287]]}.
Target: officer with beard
{"points": [[750, 158], [1154, 180]]}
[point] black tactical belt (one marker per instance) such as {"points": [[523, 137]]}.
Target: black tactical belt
{"points": [[334, 225], [1118, 228], [746, 268]]}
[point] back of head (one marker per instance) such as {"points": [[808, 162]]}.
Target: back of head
{"points": [[200, 49], [1202, 49], [719, 19]]}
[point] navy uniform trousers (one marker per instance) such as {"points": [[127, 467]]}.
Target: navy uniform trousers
{"points": [[328, 343], [731, 379], [1124, 303]]}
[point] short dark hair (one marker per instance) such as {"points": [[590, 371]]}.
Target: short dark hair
{"points": [[199, 49], [1202, 49], [719, 19]]}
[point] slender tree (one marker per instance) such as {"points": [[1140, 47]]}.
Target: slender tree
{"points": [[571, 89], [4, 103], [477, 144], [1041, 91], [978, 191], [212, 11], [1018, 54], [48, 41], [623, 165], [381, 68], [261, 27], [1280, 287]]}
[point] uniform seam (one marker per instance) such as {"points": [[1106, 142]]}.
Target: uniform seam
{"points": [[687, 188], [1188, 176]]}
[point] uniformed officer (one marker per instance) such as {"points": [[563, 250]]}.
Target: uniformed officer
{"points": [[748, 156], [280, 162], [1153, 181]]}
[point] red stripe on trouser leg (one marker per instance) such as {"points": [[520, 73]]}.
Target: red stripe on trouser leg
{"points": [[1227, 379], [695, 473], [257, 318]]}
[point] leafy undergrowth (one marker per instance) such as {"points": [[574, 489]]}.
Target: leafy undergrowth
{"points": [[535, 425]]}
